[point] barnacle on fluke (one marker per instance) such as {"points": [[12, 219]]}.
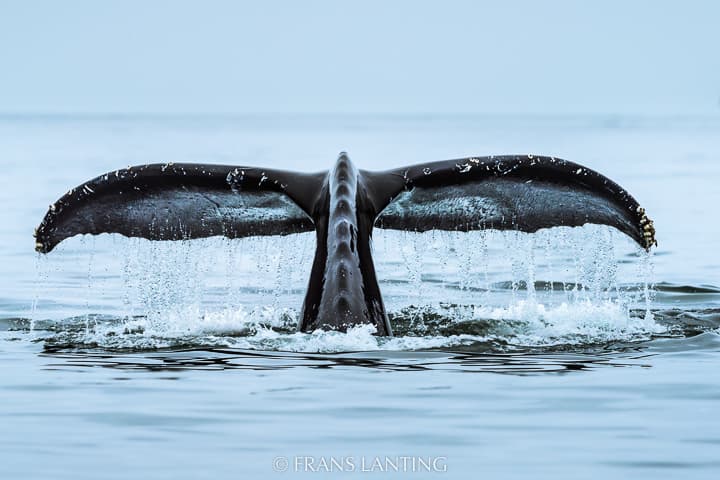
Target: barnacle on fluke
{"points": [[343, 205], [648, 228]]}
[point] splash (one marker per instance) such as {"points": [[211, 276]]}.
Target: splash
{"points": [[443, 290], [523, 324]]}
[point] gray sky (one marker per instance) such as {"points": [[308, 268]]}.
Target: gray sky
{"points": [[647, 57]]}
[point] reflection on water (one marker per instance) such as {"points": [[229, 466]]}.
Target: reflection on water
{"points": [[220, 359]]}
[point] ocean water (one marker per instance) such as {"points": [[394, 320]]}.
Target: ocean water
{"points": [[567, 353]]}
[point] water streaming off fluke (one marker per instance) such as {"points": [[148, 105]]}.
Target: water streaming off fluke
{"points": [[486, 291]]}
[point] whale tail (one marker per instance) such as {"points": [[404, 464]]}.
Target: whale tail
{"points": [[185, 201]]}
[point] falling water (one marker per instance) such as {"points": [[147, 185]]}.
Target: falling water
{"points": [[555, 286]]}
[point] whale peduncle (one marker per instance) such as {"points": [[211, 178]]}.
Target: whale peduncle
{"points": [[343, 289]]}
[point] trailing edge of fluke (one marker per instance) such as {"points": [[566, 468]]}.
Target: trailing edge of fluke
{"points": [[184, 201]]}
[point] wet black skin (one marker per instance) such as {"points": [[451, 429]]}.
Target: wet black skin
{"points": [[343, 290], [185, 201]]}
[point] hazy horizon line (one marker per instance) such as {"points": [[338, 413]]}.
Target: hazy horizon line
{"points": [[98, 113]]}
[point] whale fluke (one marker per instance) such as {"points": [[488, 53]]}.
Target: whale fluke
{"points": [[343, 205], [512, 192], [183, 201]]}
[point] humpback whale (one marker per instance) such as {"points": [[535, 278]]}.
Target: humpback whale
{"points": [[343, 206]]}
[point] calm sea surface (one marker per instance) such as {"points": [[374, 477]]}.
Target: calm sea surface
{"points": [[563, 354]]}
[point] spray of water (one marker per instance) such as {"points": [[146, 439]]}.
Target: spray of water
{"points": [[443, 290]]}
